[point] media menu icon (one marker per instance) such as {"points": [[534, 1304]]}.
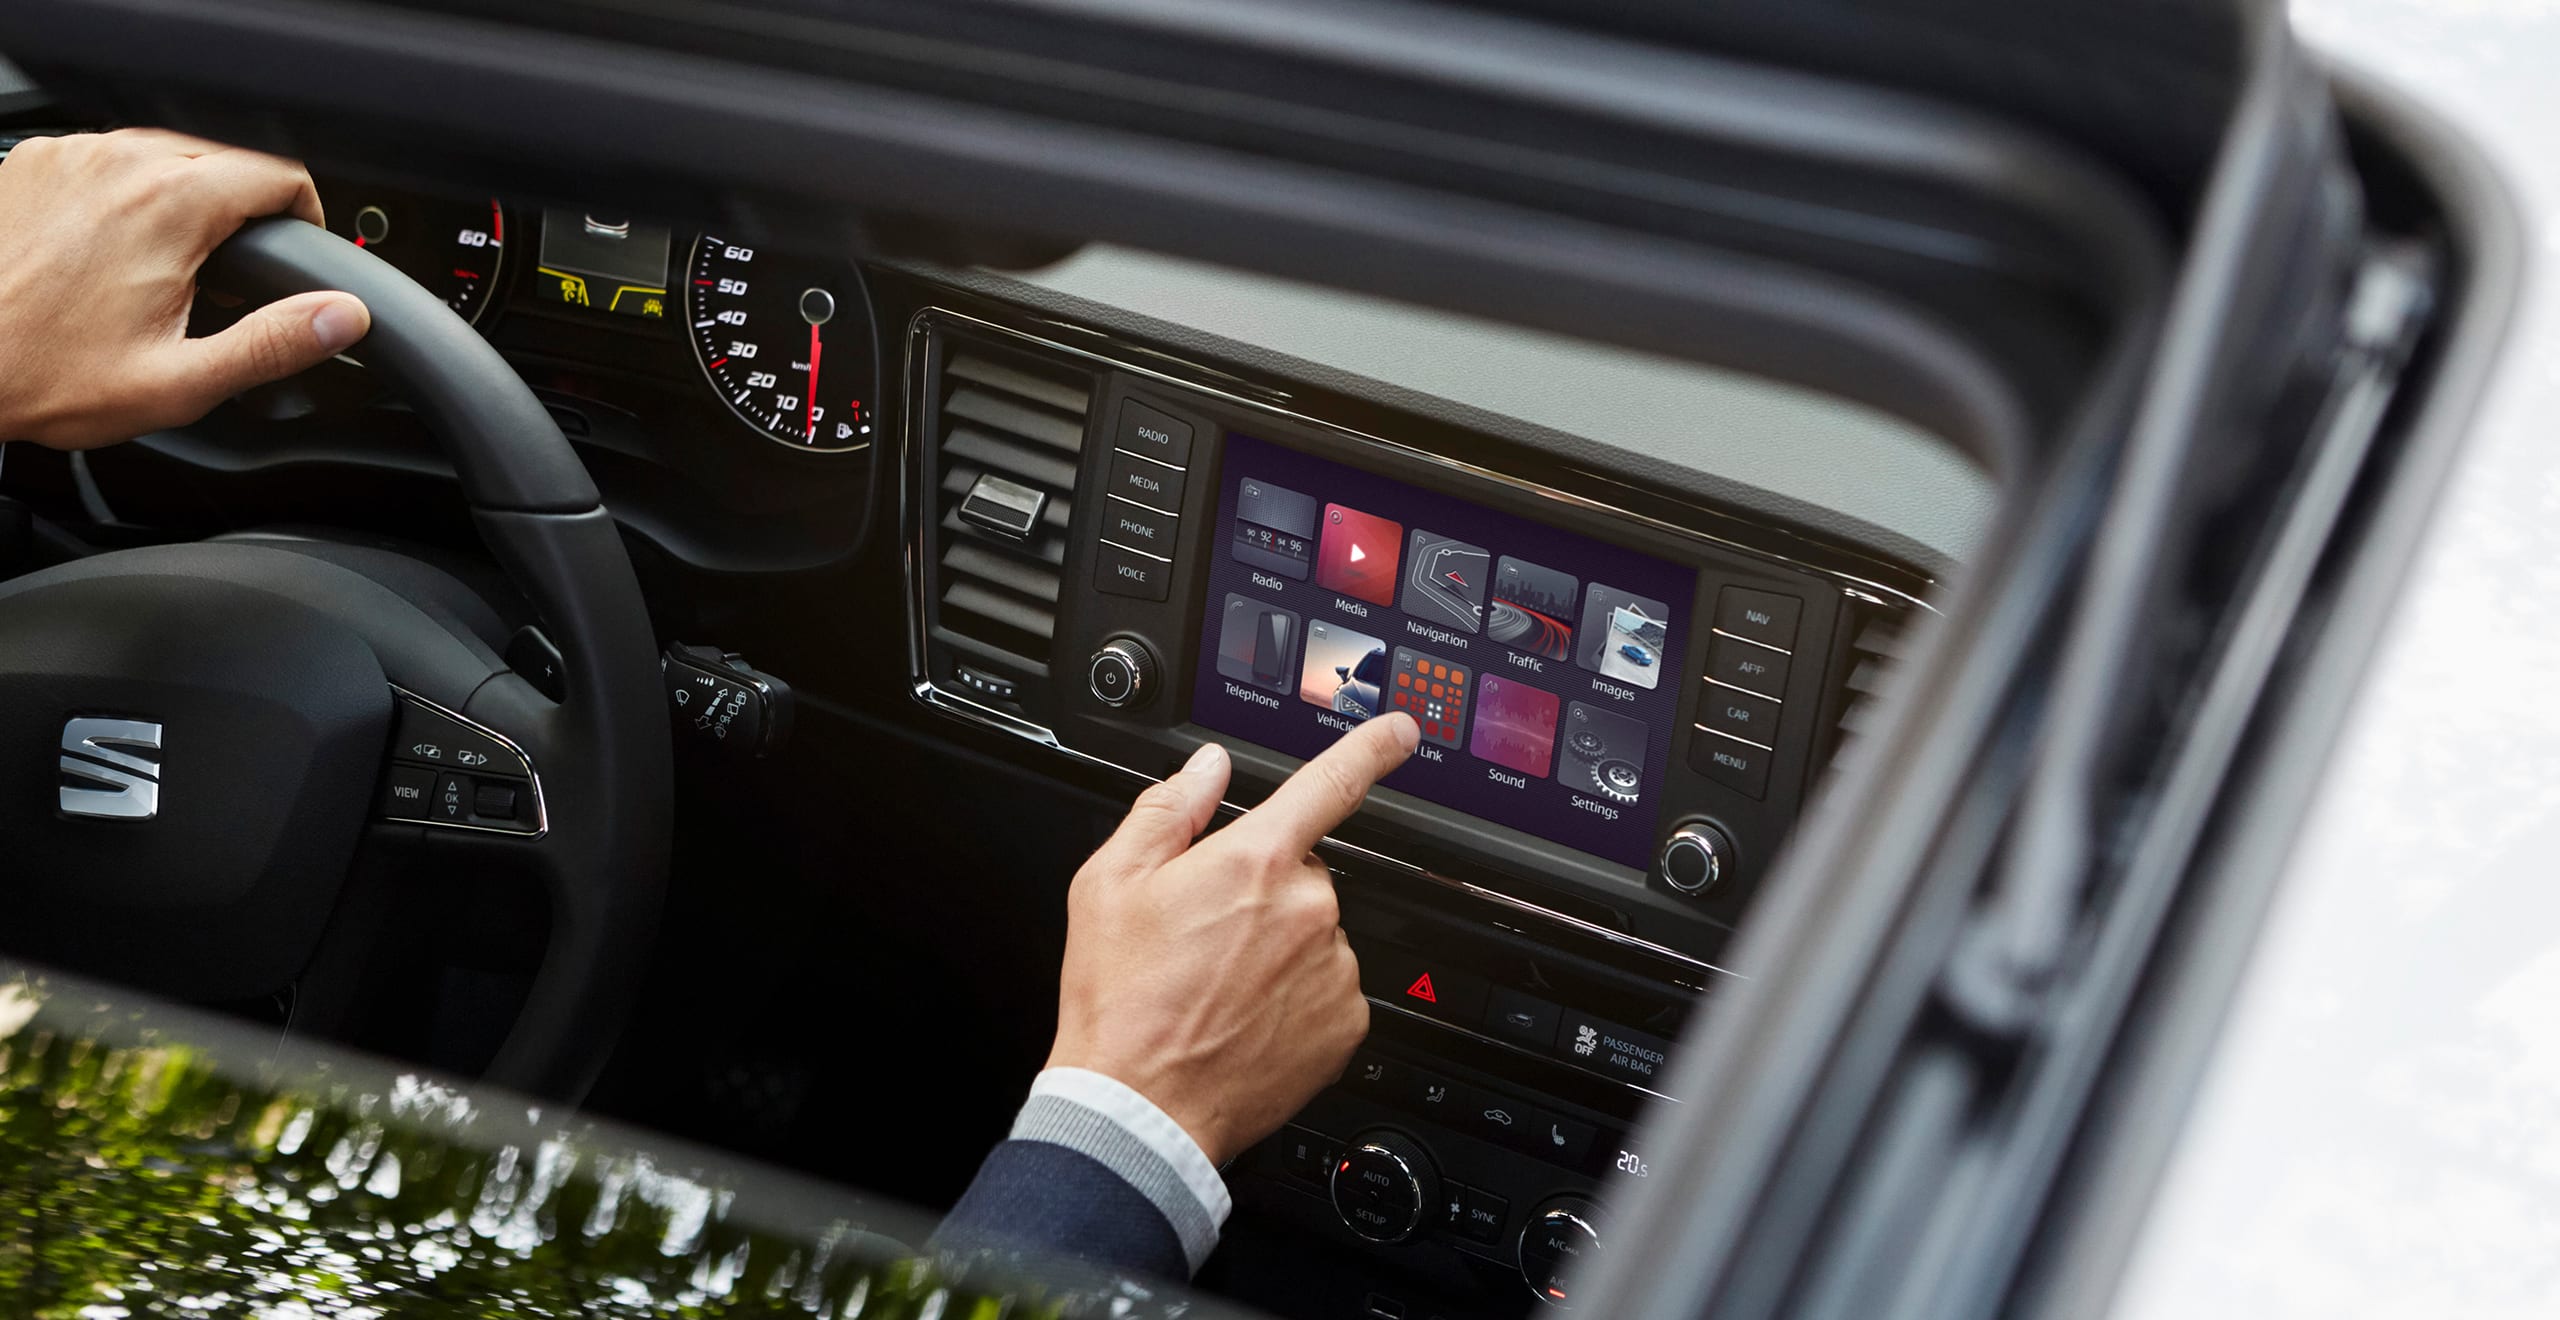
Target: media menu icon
{"points": [[1358, 555], [1445, 580]]}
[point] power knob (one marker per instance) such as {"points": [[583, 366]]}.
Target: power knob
{"points": [[1382, 1186], [1561, 1238], [1695, 857], [1122, 674]]}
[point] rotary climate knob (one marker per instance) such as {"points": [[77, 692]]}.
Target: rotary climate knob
{"points": [[1559, 1240], [1382, 1185], [1695, 857], [1122, 674]]}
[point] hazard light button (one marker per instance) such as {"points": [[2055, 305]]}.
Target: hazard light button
{"points": [[1423, 985]]}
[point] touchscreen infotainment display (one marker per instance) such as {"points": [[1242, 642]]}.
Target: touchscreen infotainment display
{"points": [[1543, 666]]}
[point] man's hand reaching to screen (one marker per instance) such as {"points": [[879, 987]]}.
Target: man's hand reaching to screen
{"points": [[100, 239], [1212, 977]]}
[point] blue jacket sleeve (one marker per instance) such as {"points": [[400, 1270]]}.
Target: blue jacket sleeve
{"points": [[1046, 1200]]}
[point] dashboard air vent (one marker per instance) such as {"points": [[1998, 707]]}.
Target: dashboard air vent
{"points": [[1876, 642], [1006, 433]]}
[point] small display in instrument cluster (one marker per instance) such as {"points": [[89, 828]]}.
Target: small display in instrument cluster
{"points": [[610, 263], [1531, 657]]}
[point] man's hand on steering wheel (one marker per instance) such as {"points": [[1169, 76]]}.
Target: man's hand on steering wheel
{"points": [[101, 236]]}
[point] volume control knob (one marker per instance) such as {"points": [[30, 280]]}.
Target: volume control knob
{"points": [[1122, 674], [1695, 857]]}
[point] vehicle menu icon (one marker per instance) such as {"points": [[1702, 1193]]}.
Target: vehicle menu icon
{"points": [[1444, 580], [1603, 753], [1343, 672], [1358, 554], [1515, 726], [1275, 528], [1434, 692], [1532, 609], [1256, 642], [1623, 635]]}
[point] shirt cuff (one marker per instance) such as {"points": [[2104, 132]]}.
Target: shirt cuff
{"points": [[1123, 1131]]}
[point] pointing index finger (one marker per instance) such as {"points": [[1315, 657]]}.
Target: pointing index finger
{"points": [[1326, 790]]}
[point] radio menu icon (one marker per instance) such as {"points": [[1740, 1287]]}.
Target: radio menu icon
{"points": [[1275, 528]]}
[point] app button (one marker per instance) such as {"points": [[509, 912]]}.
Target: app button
{"points": [[1444, 580], [1358, 555], [1344, 671], [1532, 609], [1434, 692], [1515, 726], [1256, 642], [1623, 636], [1603, 754], [1275, 528]]}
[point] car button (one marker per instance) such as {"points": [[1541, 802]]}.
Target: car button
{"points": [[1120, 571], [1745, 715], [1138, 527], [1145, 481], [1143, 430], [1729, 761], [1762, 616], [1747, 665]]}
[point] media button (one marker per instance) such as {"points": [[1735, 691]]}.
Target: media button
{"points": [[1762, 616], [1138, 527], [1145, 481], [1143, 430]]}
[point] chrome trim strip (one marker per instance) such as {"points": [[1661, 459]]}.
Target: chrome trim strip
{"points": [[1736, 687], [532, 774], [912, 444], [1719, 632], [1515, 1047], [1161, 559], [1729, 737], [1150, 458]]}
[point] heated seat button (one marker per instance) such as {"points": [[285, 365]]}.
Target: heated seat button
{"points": [[406, 791], [1763, 616], [1744, 715], [1748, 666], [1307, 1155]]}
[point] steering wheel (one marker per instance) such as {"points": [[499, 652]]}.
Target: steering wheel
{"points": [[199, 744]]}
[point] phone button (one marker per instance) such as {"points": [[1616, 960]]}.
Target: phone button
{"points": [[1138, 527]]}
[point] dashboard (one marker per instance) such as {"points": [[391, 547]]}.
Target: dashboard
{"points": [[1089, 543]]}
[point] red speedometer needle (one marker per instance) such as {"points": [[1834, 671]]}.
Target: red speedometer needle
{"points": [[809, 408]]}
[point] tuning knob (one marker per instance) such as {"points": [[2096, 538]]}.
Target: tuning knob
{"points": [[1560, 1238], [1695, 857], [1122, 674], [1382, 1186]]}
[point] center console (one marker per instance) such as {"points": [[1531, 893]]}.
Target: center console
{"points": [[1623, 700]]}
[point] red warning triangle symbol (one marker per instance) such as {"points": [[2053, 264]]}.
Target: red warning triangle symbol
{"points": [[1421, 989]]}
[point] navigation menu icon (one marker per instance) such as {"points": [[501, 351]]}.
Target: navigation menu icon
{"points": [[1445, 580]]}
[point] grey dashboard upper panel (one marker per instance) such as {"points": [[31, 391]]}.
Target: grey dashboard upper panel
{"points": [[1838, 469]]}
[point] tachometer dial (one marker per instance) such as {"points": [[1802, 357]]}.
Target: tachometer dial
{"points": [[456, 250], [788, 344]]}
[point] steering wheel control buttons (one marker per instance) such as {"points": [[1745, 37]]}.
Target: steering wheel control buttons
{"points": [[447, 771], [1383, 1185], [1122, 674], [1695, 858]]}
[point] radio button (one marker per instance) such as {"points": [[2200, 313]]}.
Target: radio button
{"points": [[1745, 715], [1138, 527], [1143, 430], [1763, 616], [1145, 481], [1746, 665], [1120, 571]]}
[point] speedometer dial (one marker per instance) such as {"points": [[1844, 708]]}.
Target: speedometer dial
{"points": [[788, 344], [456, 249]]}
